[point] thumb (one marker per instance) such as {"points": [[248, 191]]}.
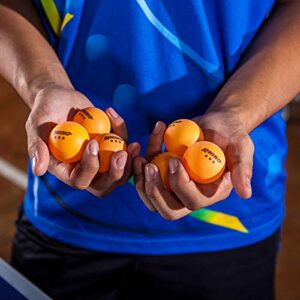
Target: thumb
{"points": [[38, 151], [240, 162]]}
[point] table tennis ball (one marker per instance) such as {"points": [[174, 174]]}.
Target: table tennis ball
{"points": [[162, 163], [108, 144], [94, 120], [204, 161], [67, 141], [181, 134]]}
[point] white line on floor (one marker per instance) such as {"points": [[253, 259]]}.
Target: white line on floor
{"points": [[13, 174]]}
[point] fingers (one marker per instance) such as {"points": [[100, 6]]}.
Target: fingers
{"points": [[139, 180], [188, 191], [37, 149], [117, 123], [156, 141], [81, 174], [240, 162], [118, 174], [60, 170], [164, 202], [133, 151], [117, 166], [105, 183], [85, 170], [39, 154], [187, 195], [84, 174]]}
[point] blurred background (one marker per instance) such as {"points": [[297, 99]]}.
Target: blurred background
{"points": [[14, 160]]}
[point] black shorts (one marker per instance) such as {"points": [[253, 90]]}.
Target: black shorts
{"points": [[66, 272]]}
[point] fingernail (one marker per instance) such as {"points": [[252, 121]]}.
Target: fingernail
{"points": [[157, 128], [149, 173], [248, 185], [113, 113], [121, 162], [173, 166], [93, 148], [34, 161]]}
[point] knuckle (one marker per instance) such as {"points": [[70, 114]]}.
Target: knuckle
{"points": [[153, 193], [227, 194], [88, 169], [175, 183], [93, 168], [30, 148], [142, 196], [119, 122], [78, 184], [224, 196], [249, 170], [170, 215], [138, 185], [123, 180], [147, 203], [193, 205], [155, 147], [251, 146], [29, 126], [246, 141], [99, 194], [114, 177], [151, 208]]}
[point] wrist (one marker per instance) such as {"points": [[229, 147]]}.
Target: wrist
{"points": [[53, 75], [240, 110]]}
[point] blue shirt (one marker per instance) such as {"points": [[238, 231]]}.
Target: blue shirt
{"points": [[157, 60]]}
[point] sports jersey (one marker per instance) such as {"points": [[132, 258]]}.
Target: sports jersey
{"points": [[157, 60]]}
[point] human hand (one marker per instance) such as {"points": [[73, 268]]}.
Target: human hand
{"points": [[222, 128], [55, 105]]}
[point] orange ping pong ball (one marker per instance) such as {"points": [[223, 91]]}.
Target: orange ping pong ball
{"points": [[181, 134], [94, 120], [108, 144], [67, 141], [162, 163], [204, 161]]}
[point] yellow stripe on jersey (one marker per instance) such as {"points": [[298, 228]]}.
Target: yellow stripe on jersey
{"points": [[68, 17], [219, 219], [52, 14]]}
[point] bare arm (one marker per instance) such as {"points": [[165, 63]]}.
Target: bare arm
{"points": [[31, 66], [269, 77], [27, 61]]}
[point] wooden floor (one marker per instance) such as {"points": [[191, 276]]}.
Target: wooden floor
{"points": [[13, 114]]}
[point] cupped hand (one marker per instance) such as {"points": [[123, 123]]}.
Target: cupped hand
{"points": [[55, 105], [222, 128]]}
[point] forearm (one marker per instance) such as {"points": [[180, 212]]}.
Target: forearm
{"points": [[269, 76], [27, 61]]}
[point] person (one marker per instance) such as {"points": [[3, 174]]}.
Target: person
{"points": [[229, 65]]}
